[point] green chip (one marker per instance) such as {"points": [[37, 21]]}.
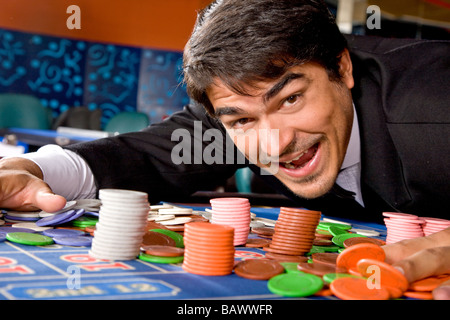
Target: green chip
{"points": [[326, 225], [322, 231], [330, 277], [158, 259], [291, 267], [179, 240], [340, 238], [326, 248], [295, 284], [31, 239], [315, 249], [83, 222], [336, 230]]}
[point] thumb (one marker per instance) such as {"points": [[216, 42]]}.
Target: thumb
{"points": [[46, 200], [442, 292]]}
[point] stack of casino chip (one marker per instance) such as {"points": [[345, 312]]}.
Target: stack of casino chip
{"points": [[234, 212], [294, 231], [433, 225], [121, 224], [209, 249], [402, 226]]}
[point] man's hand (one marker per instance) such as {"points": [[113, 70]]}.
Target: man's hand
{"points": [[423, 257], [22, 187]]}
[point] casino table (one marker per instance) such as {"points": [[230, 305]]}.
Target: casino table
{"points": [[35, 138], [58, 272]]}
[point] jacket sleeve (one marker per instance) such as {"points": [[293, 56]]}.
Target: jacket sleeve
{"points": [[187, 152]]}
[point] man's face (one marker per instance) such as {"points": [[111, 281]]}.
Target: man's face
{"points": [[308, 119]]}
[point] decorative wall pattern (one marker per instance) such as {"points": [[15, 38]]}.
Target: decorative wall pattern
{"points": [[111, 79], [65, 73], [160, 84]]}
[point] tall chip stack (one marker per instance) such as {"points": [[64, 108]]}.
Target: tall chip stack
{"points": [[114, 239]]}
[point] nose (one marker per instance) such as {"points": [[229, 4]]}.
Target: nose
{"points": [[274, 137]]}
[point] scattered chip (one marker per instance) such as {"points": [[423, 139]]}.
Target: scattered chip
{"points": [[295, 284], [258, 269], [32, 239], [350, 288]]}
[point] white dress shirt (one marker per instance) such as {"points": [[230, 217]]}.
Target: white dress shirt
{"points": [[349, 177]]}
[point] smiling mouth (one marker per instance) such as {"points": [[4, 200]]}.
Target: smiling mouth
{"points": [[301, 160]]}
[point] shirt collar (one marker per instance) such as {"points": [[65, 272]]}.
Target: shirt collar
{"points": [[353, 154]]}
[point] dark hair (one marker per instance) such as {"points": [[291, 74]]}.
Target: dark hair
{"points": [[245, 41]]}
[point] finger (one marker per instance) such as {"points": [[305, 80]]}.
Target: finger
{"points": [[425, 263], [401, 250], [398, 251], [38, 195], [442, 292], [47, 201]]}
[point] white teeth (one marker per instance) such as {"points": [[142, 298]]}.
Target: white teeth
{"points": [[301, 155]]}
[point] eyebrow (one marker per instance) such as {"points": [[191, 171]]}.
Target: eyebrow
{"points": [[224, 111], [281, 84], [267, 96]]}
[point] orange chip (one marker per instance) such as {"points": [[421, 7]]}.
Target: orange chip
{"points": [[394, 292], [357, 289], [428, 284], [350, 256], [424, 295], [324, 292], [354, 271], [386, 274]]}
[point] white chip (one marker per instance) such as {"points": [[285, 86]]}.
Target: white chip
{"points": [[175, 211], [336, 221], [198, 213], [30, 225], [88, 203], [164, 217], [256, 224], [90, 209], [152, 217], [365, 232], [44, 214], [112, 254], [207, 215], [176, 221], [267, 222], [122, 195], [160, 206], [109, 238], [24, 214]]}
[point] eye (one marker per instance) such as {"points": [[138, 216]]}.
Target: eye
{"points": [[291, 100], [239, 123]]}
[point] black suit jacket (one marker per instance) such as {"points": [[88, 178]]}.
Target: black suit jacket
{"points": [[402, 102]]}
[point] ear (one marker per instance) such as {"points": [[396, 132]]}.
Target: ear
{"points": [[346, 69]]}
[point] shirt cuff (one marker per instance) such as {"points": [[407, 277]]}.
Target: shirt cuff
{"points": [[64, 171]]}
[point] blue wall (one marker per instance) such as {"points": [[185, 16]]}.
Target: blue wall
{"points": [[66, 73]]}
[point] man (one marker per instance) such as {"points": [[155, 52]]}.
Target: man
{"points": [[370, 117]]}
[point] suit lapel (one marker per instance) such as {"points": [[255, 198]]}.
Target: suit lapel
{"points": [[381, 167]]}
